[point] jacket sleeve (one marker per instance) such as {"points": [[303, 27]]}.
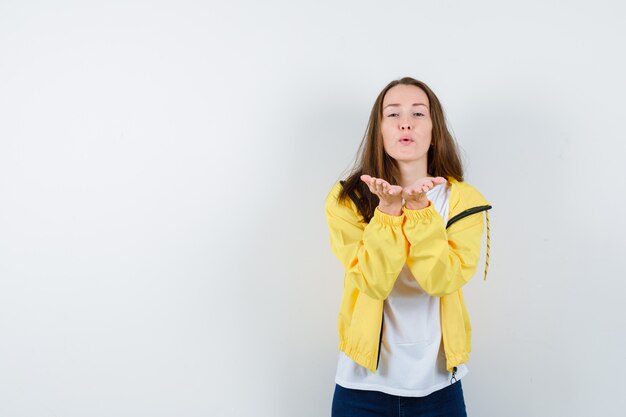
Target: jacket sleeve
{"points": [[372, 254], [442, 260]]}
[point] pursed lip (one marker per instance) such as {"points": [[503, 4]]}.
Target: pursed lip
{"points": [[406, 138]]}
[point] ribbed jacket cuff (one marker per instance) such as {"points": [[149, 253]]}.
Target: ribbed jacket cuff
{"points": [[388, 219], [417, 215]]}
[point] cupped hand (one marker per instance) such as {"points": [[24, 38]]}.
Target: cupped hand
{"points": [[415, 194], [389, 195]]}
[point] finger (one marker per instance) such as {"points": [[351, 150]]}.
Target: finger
{"points": [[367, 180], [439, 180], [371, 181], [370, 184], [374, 185], [379, 186], [384, 182], [388, 189]]}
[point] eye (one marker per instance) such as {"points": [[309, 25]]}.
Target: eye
{"points": [[392, 114], [418, 114]]}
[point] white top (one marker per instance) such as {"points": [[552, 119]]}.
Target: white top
{"points": [[412, 362]]}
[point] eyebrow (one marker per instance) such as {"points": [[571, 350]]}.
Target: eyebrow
{"points": [[397, 105]]}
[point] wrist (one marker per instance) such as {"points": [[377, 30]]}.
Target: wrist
{"points": [[417, 205], [391, 209]]}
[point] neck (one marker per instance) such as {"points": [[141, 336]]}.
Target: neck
{"points": [[412, 171]]}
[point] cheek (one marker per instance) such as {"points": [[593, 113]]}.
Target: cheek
{"points": [[389, 144], [429, 128], [386, 137], [426, 131]]}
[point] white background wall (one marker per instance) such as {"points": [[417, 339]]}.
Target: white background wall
{"points": [[163, 169]]}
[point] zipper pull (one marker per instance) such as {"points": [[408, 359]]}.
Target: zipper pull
{"points": [[488, 246], [453, 379]]}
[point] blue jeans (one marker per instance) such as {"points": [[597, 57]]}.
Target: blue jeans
{"points": [[447, 402]]}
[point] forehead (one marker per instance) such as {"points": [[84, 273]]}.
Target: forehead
{"points": [[403, 94]]}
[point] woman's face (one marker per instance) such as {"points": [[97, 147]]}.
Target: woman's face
{"points": [[406, 125]]}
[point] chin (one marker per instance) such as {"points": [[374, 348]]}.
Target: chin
{"points": [[408, 158]]}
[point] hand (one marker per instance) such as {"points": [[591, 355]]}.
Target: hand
{"points": [[415, 194], [390, 196]]}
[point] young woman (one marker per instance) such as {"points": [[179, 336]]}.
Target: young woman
{"points": [[408, 231]]}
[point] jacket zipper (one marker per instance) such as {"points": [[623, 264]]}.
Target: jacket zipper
{"points": [[380, 338], [461, 215]]}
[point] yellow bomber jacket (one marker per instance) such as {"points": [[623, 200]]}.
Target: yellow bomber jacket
{"points": [[442, 259]]}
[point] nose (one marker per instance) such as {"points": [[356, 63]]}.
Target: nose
{"points": [[405, 124]]}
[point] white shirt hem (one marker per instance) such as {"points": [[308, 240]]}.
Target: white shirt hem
{"points": [[400, 392]]}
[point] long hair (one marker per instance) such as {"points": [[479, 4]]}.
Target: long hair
{"points": [[443, 156]]}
